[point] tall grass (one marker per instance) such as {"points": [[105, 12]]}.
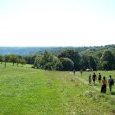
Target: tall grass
{"points": [[27, 91]]}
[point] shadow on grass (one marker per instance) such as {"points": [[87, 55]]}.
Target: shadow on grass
{"points": [[112, 93]]}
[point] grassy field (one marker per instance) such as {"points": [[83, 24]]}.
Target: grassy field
{"points": [[27, 91], [85, 76]]}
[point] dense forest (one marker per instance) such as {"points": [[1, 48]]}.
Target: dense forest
{"points": [[61, 58]]}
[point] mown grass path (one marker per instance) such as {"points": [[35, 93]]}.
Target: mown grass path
{"points": [[94, 87], [84, 79], [86, 83]]}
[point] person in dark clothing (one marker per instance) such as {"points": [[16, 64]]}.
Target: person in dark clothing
{"points": [[94, 78], [81, 72], [99, 78], [74, 71], [90, 79], [110, 82], [104, 85]]}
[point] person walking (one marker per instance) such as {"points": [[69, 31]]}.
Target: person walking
{"points": [[111, 83], [74, 71], [99, 78], [89, 79], [94, 78], [104, 85]]}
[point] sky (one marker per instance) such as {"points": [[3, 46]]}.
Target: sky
{"points": [[57, 22]]}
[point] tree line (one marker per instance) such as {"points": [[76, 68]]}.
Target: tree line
{"points": [[67, 59], [14, 59], [70, 59]]}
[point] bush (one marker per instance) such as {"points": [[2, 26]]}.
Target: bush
{"points": [[68, 64]]}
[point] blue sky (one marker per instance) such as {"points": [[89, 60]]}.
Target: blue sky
{"points": [[57, 22]]}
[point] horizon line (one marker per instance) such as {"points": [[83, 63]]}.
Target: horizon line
{"points": [[63, 46]]}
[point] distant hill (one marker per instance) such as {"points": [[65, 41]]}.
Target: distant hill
{"points": [[54, 50], [28, 50], [20, 50]]}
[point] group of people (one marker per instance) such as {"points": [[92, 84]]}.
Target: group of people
{"points": [[102, 81]]}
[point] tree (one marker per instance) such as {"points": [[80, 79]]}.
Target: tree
{"points": [[73, 55], [22, 61], [1, 59], [59, 65], [92, 63], [6, 59], [18, 60], [67, 63], [107, 60], [84, 64], [48, 61], [30, 59], [13, 58], [38, 62]]}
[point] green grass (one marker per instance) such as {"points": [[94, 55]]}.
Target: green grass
{"points": [[27, 91], [85, 76]]}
